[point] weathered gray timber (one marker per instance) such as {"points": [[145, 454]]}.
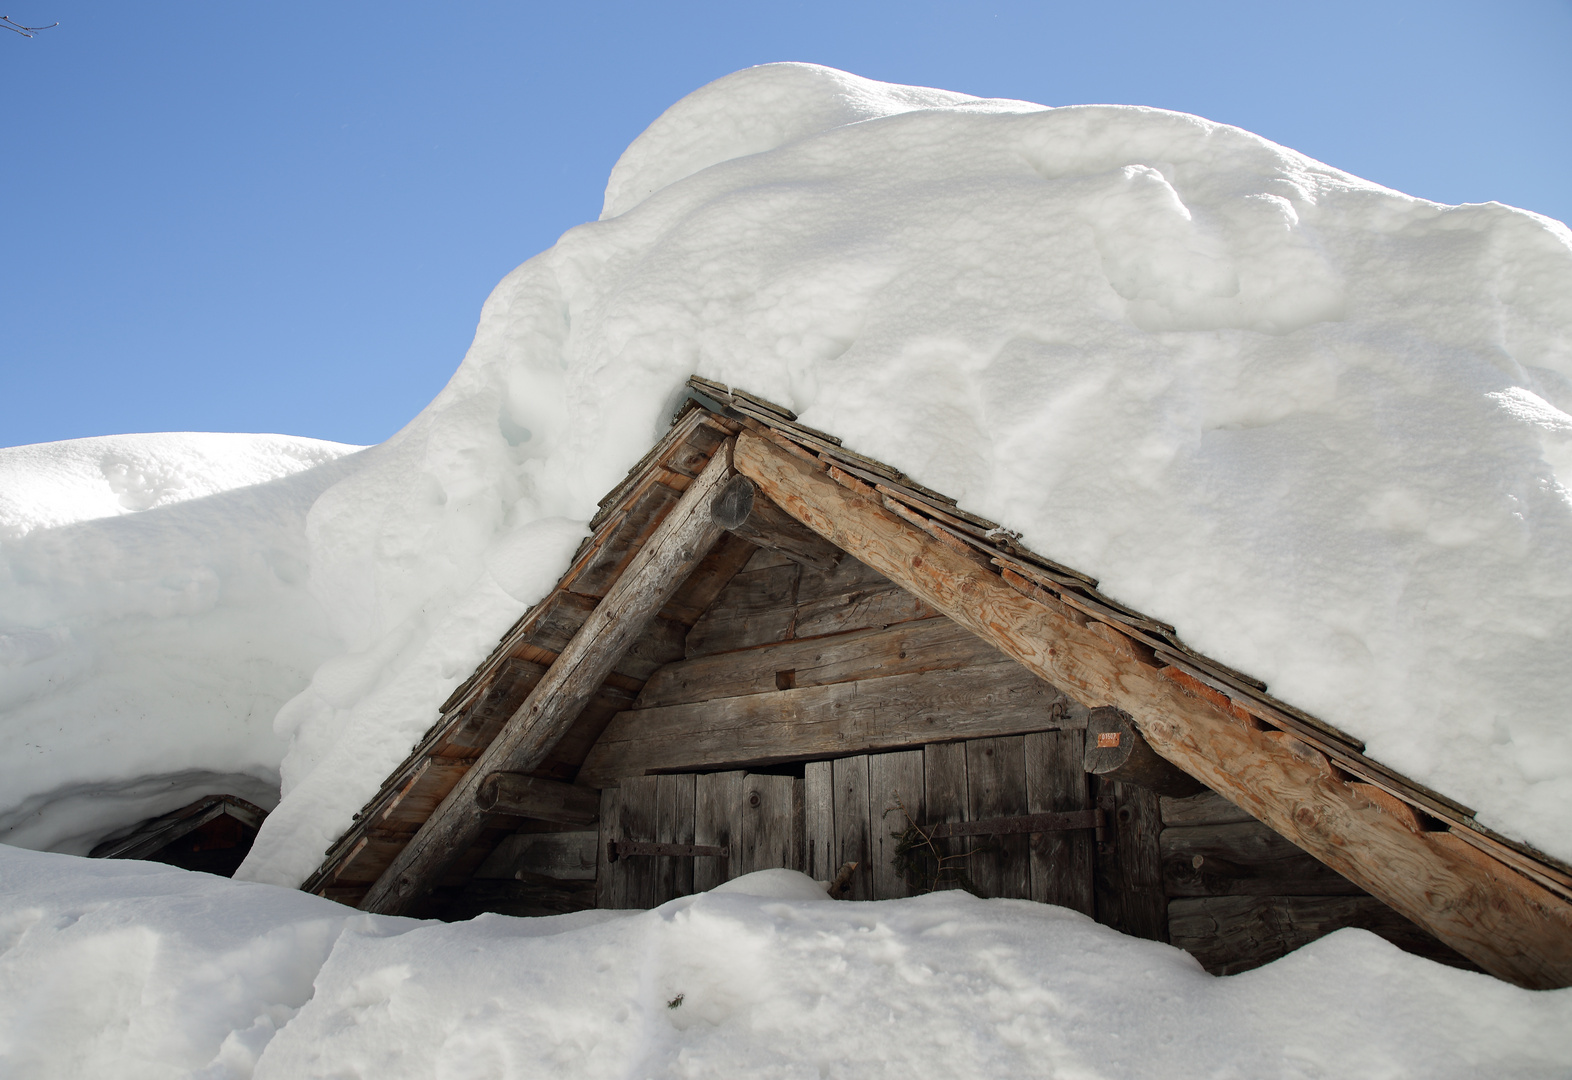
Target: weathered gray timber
{"points": [[935, 644], [565, 856], [740, 509], [945, 799], [522, 795], [819, 845], [675, 548], [996, 788], [717, 797], [1129, 877], [1207, 808], [894, 793], [1061, 861], [825, 721], [1230, 934], [853, 830], [1244, 858]]}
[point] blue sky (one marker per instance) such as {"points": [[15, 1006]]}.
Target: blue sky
{"points": [[285, 217]]}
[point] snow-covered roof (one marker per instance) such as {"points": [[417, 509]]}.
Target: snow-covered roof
{"points": [[1320, 425]]}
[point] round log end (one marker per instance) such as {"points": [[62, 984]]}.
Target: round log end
{"points": [[1115, 750], [732, 506]]}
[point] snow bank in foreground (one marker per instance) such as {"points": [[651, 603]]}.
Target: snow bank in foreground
{"points": [[154, 616], [136, 970]]}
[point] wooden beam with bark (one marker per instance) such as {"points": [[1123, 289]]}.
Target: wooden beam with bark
{"points": [[1497, 917], [672, 552]]}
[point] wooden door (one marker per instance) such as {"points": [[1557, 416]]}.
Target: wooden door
{"points": [[756, 818]]}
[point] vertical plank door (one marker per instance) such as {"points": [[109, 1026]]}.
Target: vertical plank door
{"points": [[945, 799], [1061, 862], [996, 788], [818, 800], [852, 830], [770, 835], [895, 799], [1129, 879], [717, 797], [674, 818]]}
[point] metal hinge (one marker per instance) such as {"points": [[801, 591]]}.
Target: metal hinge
{"points": [[621, 849]]}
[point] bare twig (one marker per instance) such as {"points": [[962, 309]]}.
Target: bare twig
{"points": [[915, 845], [26, 31]]}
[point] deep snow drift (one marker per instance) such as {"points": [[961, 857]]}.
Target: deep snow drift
{"points": [[135, 971], [153, 617], [1315, 423]]}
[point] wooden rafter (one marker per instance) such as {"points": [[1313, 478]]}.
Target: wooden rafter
{"points": [[1486, 910], [674, 550]]}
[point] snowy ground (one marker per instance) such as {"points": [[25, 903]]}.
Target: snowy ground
{"points": [[133, 970]]}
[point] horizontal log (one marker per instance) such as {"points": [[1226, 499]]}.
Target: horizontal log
{"points": [[527, 796], [825, 721], [1243, 859], [565, 856], [924, 645], [1207, 808], [1508, 924], [740, 509]]}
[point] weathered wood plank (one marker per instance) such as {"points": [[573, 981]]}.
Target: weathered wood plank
{"points": [[1207, 808], [877, 606], [681, 540], [935, 644], [532, 797], [755, 607], [1511, 926], [895, 790], [530, 897], [717, 808], [853, 831], [1243, 859], [674, 824], [996, 788], [714, 572], [770, 836], [633, 880], [1129, 879], [608, 879], [1061, 862], [945, 798], [819, 820], [633, 530], [825, 721], [566, 856], [563, 762], [512, 683]]}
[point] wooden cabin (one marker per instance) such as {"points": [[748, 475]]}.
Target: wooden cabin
{"points": [[775, 652], [213, 834]]}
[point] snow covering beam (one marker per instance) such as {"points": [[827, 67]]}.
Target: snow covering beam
{"points": [[1498, 918], [672, 553]]}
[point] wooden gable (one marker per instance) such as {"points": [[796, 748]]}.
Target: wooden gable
{"points": [[860, 639]]}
